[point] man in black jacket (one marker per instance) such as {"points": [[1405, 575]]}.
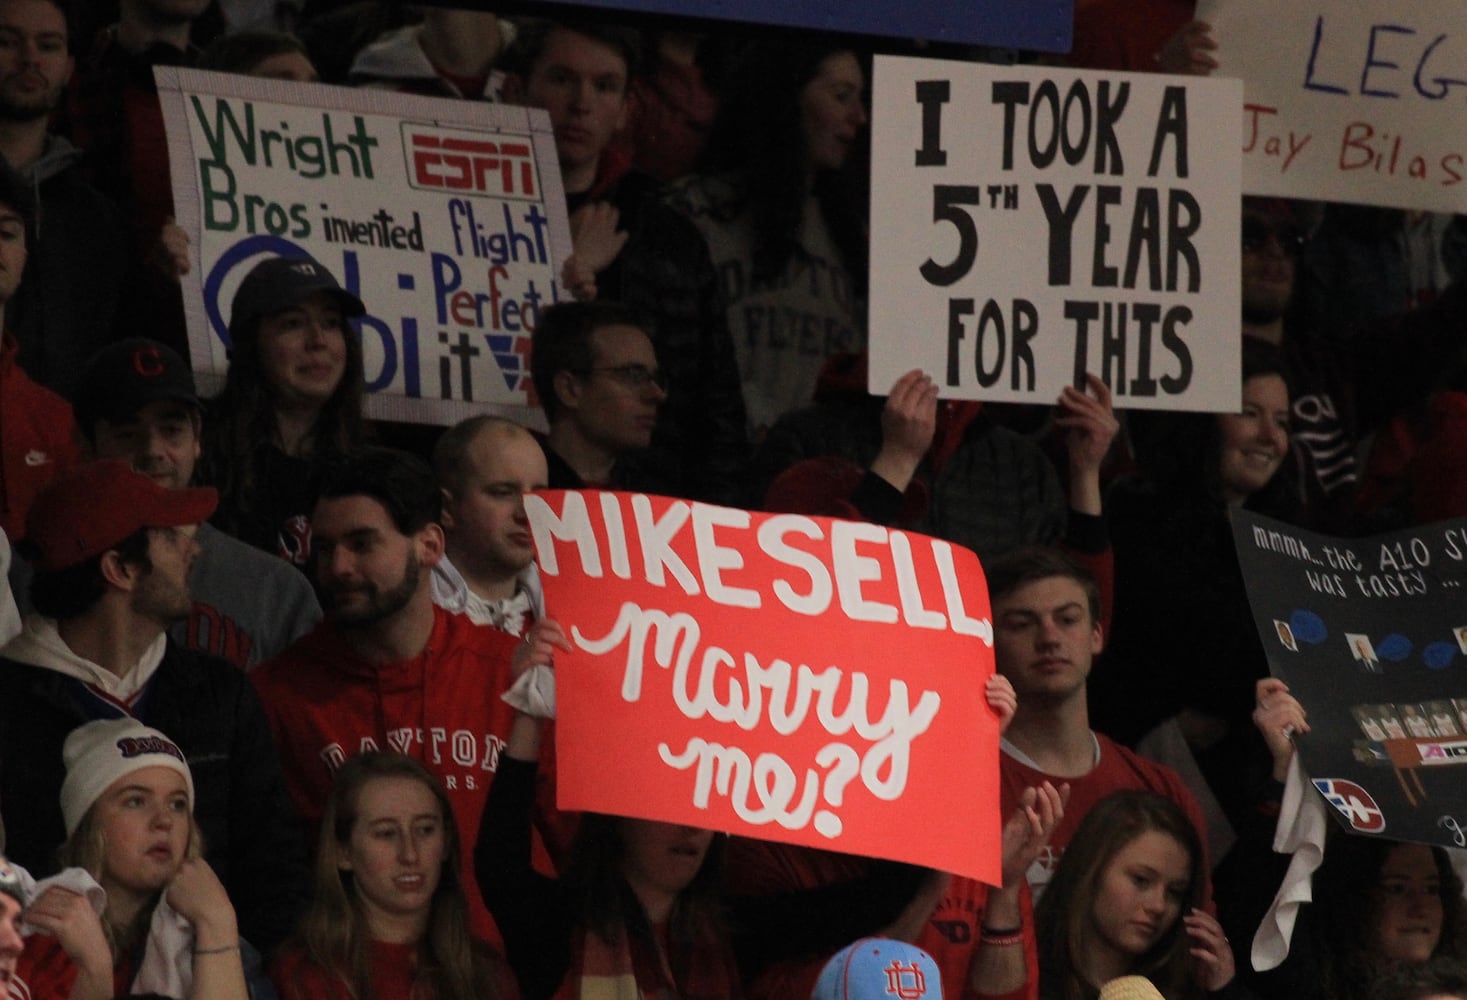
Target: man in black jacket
{"points": [[112, 551], [643, 253]]}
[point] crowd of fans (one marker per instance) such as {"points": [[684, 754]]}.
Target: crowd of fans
{"points": [[277, 701]]}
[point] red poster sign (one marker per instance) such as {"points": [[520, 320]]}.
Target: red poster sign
{"points": [[794, 678]]}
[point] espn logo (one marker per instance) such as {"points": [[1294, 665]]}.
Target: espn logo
{"points": [[496, 168]]}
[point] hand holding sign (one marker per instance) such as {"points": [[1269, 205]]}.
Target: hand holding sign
{"points": [[1278, 716], [1090, 427], [908, 421], [1189, 51]]}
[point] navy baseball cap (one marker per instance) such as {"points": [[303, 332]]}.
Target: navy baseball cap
{"points": [[279, 283], [122, 378]]}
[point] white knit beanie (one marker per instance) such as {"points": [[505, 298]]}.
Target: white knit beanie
{"points": [[100, 752]]}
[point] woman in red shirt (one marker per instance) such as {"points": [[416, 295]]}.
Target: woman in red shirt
{"points": [[389, 920]]}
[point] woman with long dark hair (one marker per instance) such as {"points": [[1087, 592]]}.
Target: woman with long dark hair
{"points": [[388, 919], [1125, 901], [783, 216], [636, 913], [291, 400], [1184, 648]]}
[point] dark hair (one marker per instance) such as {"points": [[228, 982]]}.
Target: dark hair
{"points": [[562, 342], [1063, 918], [401, 482], [1180, 458], [242, 51], [452, 447], [758, 135], [1030, 563], [73, 591], [532, 38], [606, 904], [333, 932], [66, 15], [242, 421], [1344, 908], [1433, 978]]}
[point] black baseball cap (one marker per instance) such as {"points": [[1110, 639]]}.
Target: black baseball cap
{"points": [[279, 283], [122, 378]]}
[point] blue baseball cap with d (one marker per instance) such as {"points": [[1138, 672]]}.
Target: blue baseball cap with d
{"points": [[879, 969]]}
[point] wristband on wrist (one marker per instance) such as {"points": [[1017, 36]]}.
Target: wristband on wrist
{"points": [[222, 949]]}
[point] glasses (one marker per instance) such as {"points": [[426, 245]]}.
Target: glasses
{"points": [[1257, 233], [634, 377]]}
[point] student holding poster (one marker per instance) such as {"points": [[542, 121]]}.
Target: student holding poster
{"points": [[646, 256], [1185, 599], [636, 912], [1376, 905]]}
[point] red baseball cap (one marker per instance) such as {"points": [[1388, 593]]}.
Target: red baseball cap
{"points": [[87, 510]]}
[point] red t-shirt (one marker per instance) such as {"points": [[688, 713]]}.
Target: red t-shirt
{"points": [[442, 707], [1117, 770], [297, 977]]}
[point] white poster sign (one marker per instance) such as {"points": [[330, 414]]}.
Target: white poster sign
{"points": [[1362, 101], [447, 218], [1032, 224]]}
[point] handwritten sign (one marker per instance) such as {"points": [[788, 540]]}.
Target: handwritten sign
{"points": [[447, 218], [799, 679], [1371, 637], [1031, 224], [1359, 101]]}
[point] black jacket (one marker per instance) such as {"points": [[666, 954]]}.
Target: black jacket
{"points": [[664, 272], [252, 833]]}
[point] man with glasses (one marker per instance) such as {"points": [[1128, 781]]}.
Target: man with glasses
{"points": [[1341, 389], [596, 374], [642, 253]]}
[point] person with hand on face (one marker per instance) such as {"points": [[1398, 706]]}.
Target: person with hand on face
{"points": [[389, 917], [167, 925], [292, 399], [112, 550], [1126, 900]]}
